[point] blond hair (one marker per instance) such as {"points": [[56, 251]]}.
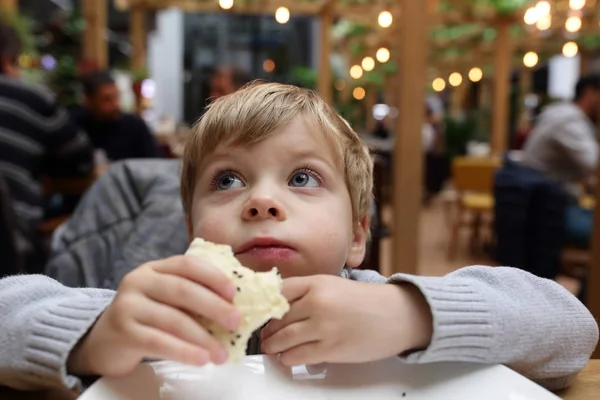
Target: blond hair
{"points": [[254, 112]]}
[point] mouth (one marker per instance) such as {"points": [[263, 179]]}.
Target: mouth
{"points": [[262, 244]]}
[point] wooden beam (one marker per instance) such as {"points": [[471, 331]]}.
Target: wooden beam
{"points": [[137, 33], [9, 5], [95, 43], [324, 81], [408, 151], [593, 283], [503, 52]]}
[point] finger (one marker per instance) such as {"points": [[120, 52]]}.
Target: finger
{"points": [[156, 344], [177, 323], [196, 270], [298, 312], [184, 294], [289, 337], [296, 288], [307, 353]]}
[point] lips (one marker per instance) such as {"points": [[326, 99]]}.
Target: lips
{"points": [[263, 243]]}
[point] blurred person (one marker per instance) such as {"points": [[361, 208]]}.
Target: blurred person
{"points": [[226, 80], [120, 135], [36, 138], [563, 146]]}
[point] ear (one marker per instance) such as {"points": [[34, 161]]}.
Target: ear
{"points": [[190, 229], [358, 247]]}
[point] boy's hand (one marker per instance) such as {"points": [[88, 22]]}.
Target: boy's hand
{"points": [[341, 321], [150, 317]]}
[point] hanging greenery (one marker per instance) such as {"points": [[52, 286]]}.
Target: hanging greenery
{"points": [[22, 26]]}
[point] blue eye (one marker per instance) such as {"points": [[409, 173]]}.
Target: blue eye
{"points": [[228, 181], [303, 179]]}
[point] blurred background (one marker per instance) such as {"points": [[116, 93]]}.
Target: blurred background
{"points": [[449, 95]]}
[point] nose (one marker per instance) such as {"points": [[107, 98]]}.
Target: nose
{"points": [[262, 207]]}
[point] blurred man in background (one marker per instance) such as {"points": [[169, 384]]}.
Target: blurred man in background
{"points": [[563, 146], [120, 135], [226, 80], [36, 138]]}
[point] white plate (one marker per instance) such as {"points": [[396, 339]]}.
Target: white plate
{"points": [[263, 378]]}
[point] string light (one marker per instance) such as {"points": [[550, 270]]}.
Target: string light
{"points": [[383, 55], [282, 15], [269, 65], [475, 74], [573, 24], [455, 79], [356, 71], [531, 16], [438, 84], [530, 59], [226, 4], [385, 19], [543, 8], [358, 93], [544, 23], [570, 49], [368, 63], [576, 4]]}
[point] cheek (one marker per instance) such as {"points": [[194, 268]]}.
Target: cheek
{"points": [[213, 229]]}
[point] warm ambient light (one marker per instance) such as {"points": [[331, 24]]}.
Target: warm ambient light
{"points": [[576, 4], [269, 65], [530, 59], [383, 55], [573, 24], [455, 79], [543, 8], [385, 19], [475, 74], [570, 49], [368, 63], [544, 23], [225, 4], [531, 16], [356, 71], [282, 15], [438, 84], [358, 93]]}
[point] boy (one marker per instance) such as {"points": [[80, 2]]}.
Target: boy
{"points": [[274, 172]]}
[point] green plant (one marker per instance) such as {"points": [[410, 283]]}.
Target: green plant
{"points": [[22, 26], [140, 74], [458, 133]]}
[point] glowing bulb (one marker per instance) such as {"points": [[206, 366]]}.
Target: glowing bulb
{"points": [[576, 4], [543, 8], [570, 49], [475, 74], [358, 93], [368, 63], [269, 65], [544, 23], [531, 16], [385, 19], [530, 59], [282, 15], [225, 4], [383, 55], [455, 79], [438, 84], [356, 72], [573, 24]]}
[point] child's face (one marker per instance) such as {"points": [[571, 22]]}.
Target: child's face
{"points": [[282, 202]]}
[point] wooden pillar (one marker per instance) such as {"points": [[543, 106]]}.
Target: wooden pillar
{"points": [[324, 81], [503, 51], [408, 152], [9, 5], [95, 42], [593, 284], [137, 33]]}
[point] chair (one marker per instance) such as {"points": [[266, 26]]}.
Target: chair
{"points": [[473, 181]]}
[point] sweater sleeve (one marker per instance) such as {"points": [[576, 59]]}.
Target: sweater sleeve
{"points": [[577, 142], [499, 315], [42, 321]]}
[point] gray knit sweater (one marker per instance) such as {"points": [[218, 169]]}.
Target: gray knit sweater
{"points": [[480, 314]]}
